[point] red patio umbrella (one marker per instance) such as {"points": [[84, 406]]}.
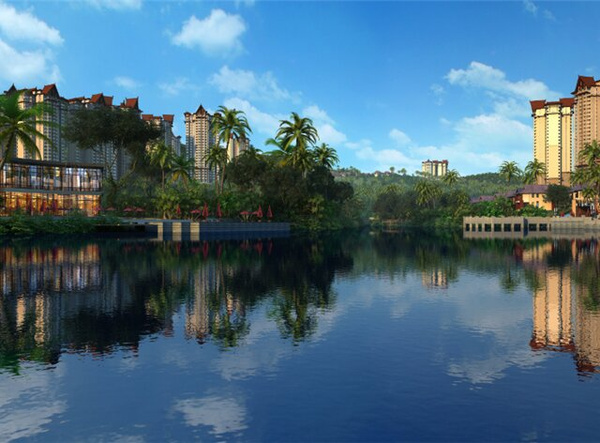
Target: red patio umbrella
{"points": [[259, 213], [205, 211], [128, 209], [269, 213], [178, 210], [139, 209]]}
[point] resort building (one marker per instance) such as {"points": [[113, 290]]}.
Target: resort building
{"points": [[435, 168], [587, 113], [45, 187], [532, 195], [165, 124], [552, 135]]}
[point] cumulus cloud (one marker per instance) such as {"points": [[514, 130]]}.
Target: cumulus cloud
{"points": [[126, 82], [23, 25], [317, 114], [27, 66], [217, 34], [247, 84], [117, 5], [399, 137], [260, 121], [325, 125]]}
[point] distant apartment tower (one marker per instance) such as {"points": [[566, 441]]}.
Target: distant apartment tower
{"points": [[199, 140], [552, 138], [435, 168], [587, 113], [165, 124]]}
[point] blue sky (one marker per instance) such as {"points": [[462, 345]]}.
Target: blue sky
{"points": [[387, 83]]}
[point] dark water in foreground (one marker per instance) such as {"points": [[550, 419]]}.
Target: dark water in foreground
{"points": [[349, 338]]}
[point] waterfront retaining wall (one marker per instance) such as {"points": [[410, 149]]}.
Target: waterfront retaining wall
{"points": [[517, 227]]}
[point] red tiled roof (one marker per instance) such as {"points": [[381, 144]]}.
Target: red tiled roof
{"points": [[131, 103], [49, 88], [168, 117], [537, 104], [108, 100], [567, 102], [97, 97], [583, 81], [147, 117]]}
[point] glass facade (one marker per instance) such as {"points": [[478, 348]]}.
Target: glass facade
{"points": [[39, 187]]}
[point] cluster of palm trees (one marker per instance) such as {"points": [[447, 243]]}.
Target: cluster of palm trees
{"points": [[295, 143], [533, 172], [177, 167]]}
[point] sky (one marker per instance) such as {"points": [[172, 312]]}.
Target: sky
{"points": [[386, 83]]}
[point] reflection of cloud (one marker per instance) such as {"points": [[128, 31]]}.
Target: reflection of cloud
{"points": [[223, 415], [27, 404]]}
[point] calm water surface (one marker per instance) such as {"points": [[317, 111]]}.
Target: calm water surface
{"points": [[357, 337]]}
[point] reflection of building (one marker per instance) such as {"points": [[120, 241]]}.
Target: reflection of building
{"points": [[435, 168], [42, 187], [552, 123], [435, 279], [197, 316], [561, 322]]}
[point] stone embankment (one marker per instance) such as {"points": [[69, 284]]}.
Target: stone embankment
{"points": [[518, 227]]}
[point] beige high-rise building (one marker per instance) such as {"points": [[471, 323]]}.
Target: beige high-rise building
{"points": [[199, 140], [552, 135], [435, 168], [587, 114]]}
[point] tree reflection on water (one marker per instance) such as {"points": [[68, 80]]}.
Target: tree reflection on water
{"points": [[96, 297]]}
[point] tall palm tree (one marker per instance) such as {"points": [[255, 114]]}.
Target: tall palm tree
{"points": [[181, 168], [19, 125], [326, 156], [451, 177], [534, 170], [428, 191], [161, 156], [229, 125], [509, 170], [296, 136], [216, 159]]}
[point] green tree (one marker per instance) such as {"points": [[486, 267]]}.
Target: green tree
{"points": [[297, 135], [180, 168], [534, 170], [112, 133], [216, 159], [451, 177], [588, 171], [560, 197], [228, 125], [326, 156], [161, 156], [428, 192], [509, 170], [19, 125]]}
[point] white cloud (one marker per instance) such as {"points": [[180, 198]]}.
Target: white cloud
{"points": [[479, 75], [530, 7], [438, 91], [217, 34], [328, 134], [126, 82], [177, 86], [317, 114], [117, 5], [247, 84], [399, 137], [259, 121], [27, 66], [23, 25]]}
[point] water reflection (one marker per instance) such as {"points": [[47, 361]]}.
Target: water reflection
{"points": [[100, 296]]}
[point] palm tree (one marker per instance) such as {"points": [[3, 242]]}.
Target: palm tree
{"points": [[451, 177], [229, 125], [161, 156], [509, 170], [216, 159], [296, 136], [534, 170], [180, 168], [588, 171], [19, 125], [326, 156], [428, 192]]}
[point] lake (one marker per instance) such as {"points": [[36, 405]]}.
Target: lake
{"points": [[348, 337]]}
